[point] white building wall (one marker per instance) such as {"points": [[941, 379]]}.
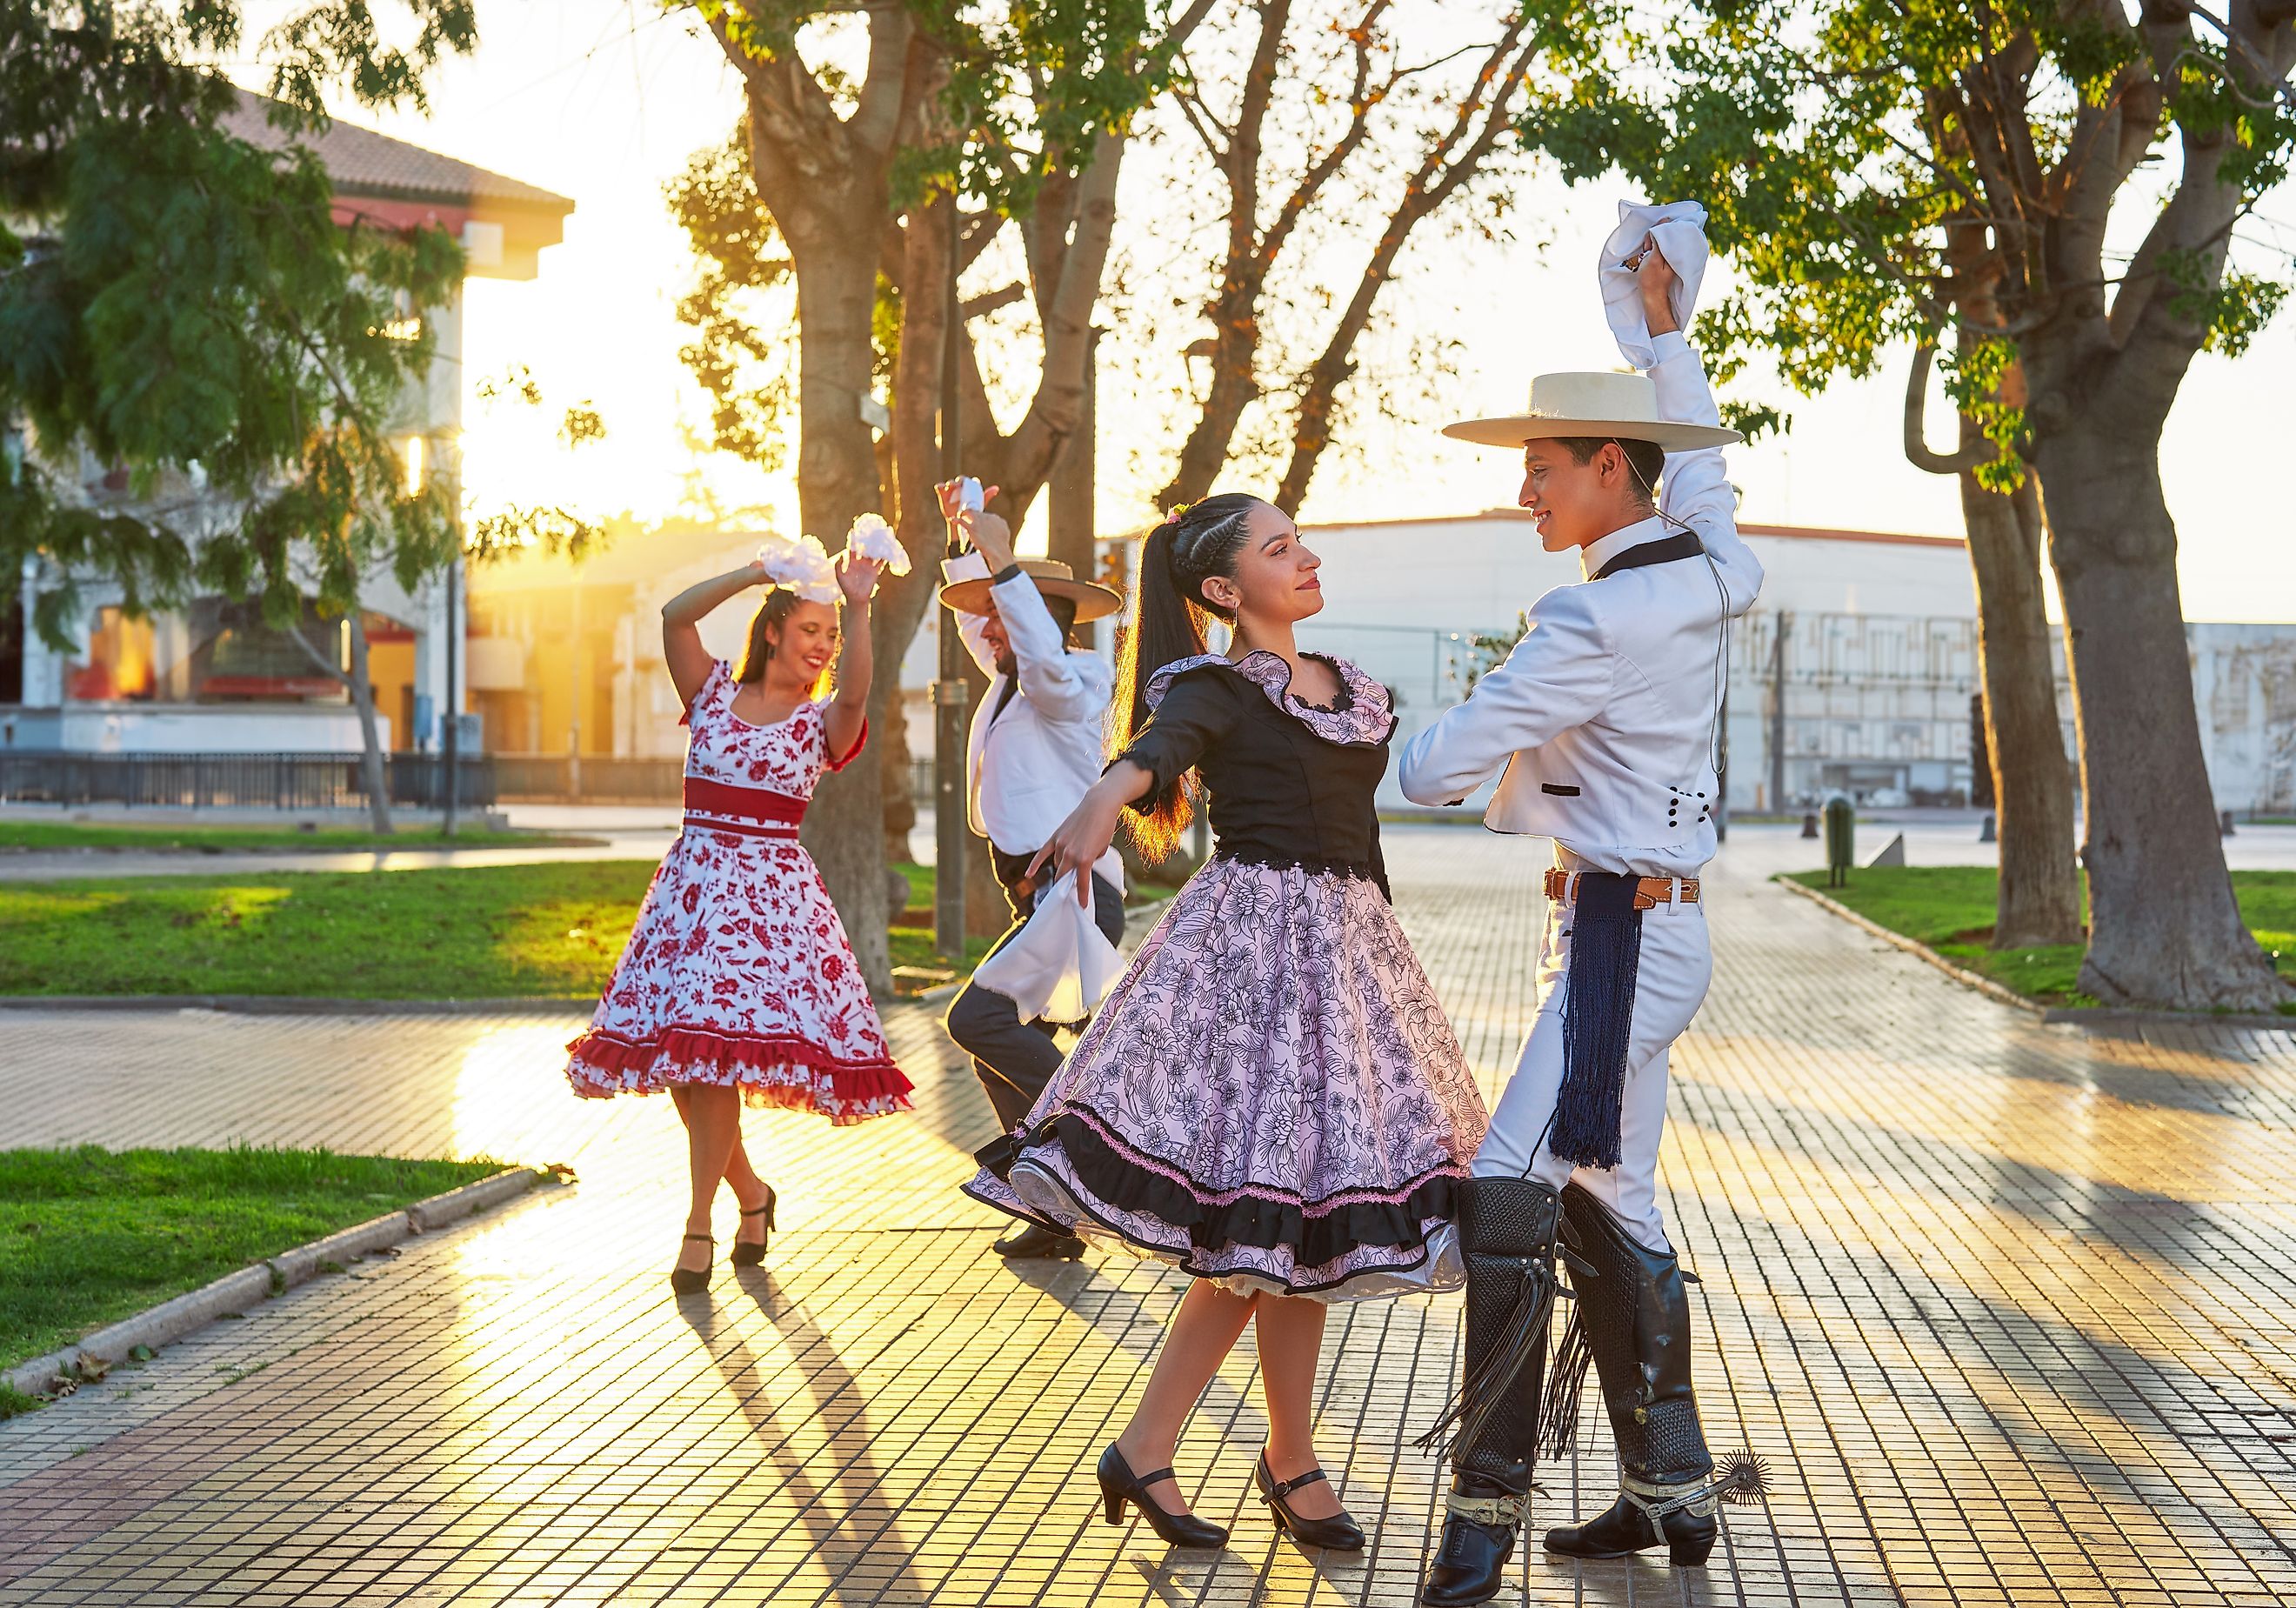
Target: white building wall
{"points": [[1881, 661], [2245, 682]]}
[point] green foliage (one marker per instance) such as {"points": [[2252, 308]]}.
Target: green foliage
{"points": [[750, 374], [1030, 84], [1974, 372], [1033, 82], [178, 302], [1485, 651], [2233, 311], [1883, 173]]}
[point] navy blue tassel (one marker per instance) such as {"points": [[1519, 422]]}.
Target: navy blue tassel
{"points": [[1598, 1018]]}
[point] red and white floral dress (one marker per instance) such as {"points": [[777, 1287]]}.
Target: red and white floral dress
{"points": [[738, 972]]}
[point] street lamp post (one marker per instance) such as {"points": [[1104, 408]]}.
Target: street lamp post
{"points": [[450, 731], [949, 691]]}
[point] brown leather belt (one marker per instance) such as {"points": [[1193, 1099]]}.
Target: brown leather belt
{"points": [[1649, 891]]}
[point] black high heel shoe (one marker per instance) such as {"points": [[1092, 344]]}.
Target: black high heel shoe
{"points": [[685, 1281], [746, 1255], [1339, 1533], [1119, 1485]]}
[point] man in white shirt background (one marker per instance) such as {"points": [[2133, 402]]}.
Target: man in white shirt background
{"points": [[1603, 721], [1034, 749]]}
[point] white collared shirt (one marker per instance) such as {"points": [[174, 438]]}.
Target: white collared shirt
{"points": [[1029, 765], [1603, 719], [1595, 553]]}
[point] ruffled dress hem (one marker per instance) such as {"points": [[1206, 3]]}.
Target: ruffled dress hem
{"points": [[772, 1072], [1075, 1175]]}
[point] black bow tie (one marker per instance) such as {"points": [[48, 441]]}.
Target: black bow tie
{"points": [[1666, 550]]}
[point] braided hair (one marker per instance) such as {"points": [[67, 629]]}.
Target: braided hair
{"points": [[1196, 542]]}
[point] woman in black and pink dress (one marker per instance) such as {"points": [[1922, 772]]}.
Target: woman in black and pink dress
{"points": [[738, 985], [1270, 1096]]}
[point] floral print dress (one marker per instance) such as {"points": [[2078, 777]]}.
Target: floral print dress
{"points": [[1271, 1097], [738, 972]]}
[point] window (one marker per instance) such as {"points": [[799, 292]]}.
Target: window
{"points": [[211, 652]]}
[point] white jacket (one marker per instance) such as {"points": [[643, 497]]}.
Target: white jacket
{"points": [[1027, 767], [1604, 718]]}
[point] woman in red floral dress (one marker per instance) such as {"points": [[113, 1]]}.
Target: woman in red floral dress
{"points": [[738, 983]]}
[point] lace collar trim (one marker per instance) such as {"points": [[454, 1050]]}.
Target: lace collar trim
{"points": [[1362, 718]]}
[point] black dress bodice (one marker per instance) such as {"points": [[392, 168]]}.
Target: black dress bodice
{"points": [[1290, 782]]}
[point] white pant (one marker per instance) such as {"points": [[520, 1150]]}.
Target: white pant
{"points": [[1677, 964]]}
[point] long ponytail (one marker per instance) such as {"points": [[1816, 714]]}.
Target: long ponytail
{"points": [[1169, 617]]}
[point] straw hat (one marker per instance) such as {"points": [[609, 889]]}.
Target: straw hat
{"points": [[1617, 405], [1053, 579]]}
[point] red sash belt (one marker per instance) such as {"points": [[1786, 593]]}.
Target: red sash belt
{"points": [[750, 812]]}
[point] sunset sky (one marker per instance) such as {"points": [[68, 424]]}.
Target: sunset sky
{"points": [[603, 101]]}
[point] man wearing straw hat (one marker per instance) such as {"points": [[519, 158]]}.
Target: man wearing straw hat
{"points": [[1602, 727], [1034, 750]]}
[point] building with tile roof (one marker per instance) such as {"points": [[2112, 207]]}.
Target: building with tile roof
{"points": [[212, 677]]}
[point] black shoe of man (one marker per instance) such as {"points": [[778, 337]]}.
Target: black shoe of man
{"points": [[1034, 1243]]}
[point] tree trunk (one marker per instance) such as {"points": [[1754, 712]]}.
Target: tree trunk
{"points": [[1069, 524], [2036, 897], [2165, 929], [2038, 900], [374, 772], [837, 480]]}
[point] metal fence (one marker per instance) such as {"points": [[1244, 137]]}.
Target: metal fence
{"points": [[284, 782]]}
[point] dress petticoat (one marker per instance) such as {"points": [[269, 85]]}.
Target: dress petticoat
{"points": [[738, 972], [1270, 1097]]}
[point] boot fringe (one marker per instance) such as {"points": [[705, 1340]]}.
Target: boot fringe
{"points": [[1484, 1391], [1565, 1388]]}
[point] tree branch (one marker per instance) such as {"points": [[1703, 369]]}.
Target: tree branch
{"points": [[1058, 407], [318, 658], [789, 109], [1918, 452], [1439, 176], [981, 307], [1360, 102], [876, 120]]}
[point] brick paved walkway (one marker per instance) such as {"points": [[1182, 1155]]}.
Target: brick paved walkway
{"points": [[2006, 1307]]}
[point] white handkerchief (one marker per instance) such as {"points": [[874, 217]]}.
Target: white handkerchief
{"points": [[1060, 965], [872, 538], [1680, 229]]}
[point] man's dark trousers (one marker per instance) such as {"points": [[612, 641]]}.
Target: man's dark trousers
{"points": [[1015, 1059]]}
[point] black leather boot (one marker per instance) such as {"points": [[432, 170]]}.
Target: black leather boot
{"points": [[1506, 1235], [1634, 1316]]}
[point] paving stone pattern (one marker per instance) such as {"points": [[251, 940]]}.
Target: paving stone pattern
{"points": [[2006, 1307]]}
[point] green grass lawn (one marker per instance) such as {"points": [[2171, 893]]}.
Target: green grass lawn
{"points": [[470, 933], [1950, 909], [89, 1236], [198, 837]]}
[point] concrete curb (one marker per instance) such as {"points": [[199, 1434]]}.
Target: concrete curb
{"points": [[1960, 974], [288, 1005], [2099, 1015], [2051, 1015], [251, 1287]]}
